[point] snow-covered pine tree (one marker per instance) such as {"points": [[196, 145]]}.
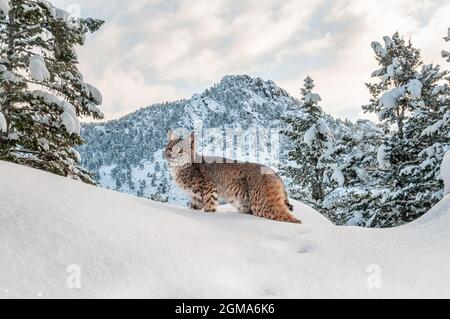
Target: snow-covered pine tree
{"points": [[429, 127], [356, 156], [312, 146], [42, 92], [406, 101]]}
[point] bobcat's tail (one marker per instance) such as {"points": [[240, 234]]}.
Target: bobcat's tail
{"points": [[276, 204], [288, 216], [290, 219]]}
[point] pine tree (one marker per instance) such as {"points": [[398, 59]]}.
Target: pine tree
{"points": [[42, 92], [406, 101], [429, 127], [312, 146], [356, 156]]}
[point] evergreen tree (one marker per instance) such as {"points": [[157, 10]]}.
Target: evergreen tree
{"points": [[429, 128], [356, 156], [312, 147], [42, 92], [406, 101]]}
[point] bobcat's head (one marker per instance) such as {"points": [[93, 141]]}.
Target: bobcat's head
{"points": [[180, 152]]}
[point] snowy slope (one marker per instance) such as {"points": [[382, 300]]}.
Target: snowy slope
{"points": [[131, 247]]}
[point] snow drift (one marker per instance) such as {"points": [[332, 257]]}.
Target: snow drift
{"points": [[130, 247]]}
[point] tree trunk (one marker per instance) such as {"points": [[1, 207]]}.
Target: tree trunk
{"points": [[7, 105], [317, 189]]}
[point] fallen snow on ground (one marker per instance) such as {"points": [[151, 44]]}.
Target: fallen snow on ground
{"points": [[51, 227]]}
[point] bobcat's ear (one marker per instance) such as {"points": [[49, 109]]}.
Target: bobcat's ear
{"points": [[172, 136]]}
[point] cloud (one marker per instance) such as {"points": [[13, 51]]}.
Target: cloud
{"points": [[126, 91], [351, 60]]}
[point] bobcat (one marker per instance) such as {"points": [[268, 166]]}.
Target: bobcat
{"points": [[251, 188]]}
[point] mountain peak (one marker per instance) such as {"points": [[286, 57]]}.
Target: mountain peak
{"points": [[264, 88]]}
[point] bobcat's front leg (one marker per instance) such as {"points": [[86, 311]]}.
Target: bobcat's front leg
{"points": [[196, 203], [210, 198]]}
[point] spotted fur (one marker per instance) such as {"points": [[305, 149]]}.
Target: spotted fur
{"points": [[251, 188]]}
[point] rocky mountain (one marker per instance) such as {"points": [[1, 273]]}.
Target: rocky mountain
{"points": [[242, 112]]}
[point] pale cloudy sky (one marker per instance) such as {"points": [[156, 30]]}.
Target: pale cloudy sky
{"points": [[152, 51]]}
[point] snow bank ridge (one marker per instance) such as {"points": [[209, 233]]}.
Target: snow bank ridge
{"points": [[130, 247]]}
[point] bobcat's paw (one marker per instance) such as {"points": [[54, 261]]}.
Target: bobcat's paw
{"points": [[195, 206], [210, 210]]}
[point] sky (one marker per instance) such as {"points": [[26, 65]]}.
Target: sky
{"points": [[151, 51]]}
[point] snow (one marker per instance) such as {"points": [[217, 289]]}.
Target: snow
{"points": [[46, 4], [13, 136], [48, 98], [433, 128], [327, 203], [3, 124], [446, 55], [312, 98], [361, 173], [69, 118], [388, 41], [438, 89], [43, 142], [338, 176], [389, 99], [378, 49], [396, 62], [4, 6], [94, 109], [445, 172], [76, 154], [381, 157], [390, 70], [323, 127], [310, 135], [9, 76], [95, 94], [356, 219], [415, 88], [122, 246], [38, 69], [70, 19]]}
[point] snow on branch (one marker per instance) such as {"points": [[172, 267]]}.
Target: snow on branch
{"points": [[5, 7], [3, 124], [94, 94], [38, 69], [69, 118], [378, 49], [445, 172]]}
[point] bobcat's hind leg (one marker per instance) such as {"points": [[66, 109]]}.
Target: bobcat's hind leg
{"points": [[210, 199], [270, 201], [243, 207]]}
